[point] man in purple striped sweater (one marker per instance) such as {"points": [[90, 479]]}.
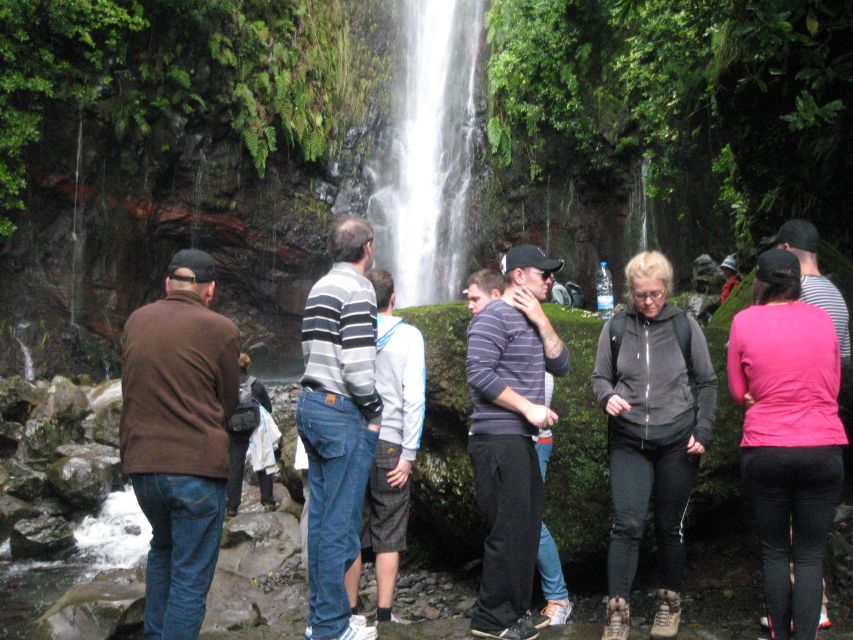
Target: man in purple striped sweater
{"points": [[511, 343]]}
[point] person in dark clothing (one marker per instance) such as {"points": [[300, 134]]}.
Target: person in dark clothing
{"points": [[658, 430], [511, 344], [179, 384], [240, 445]]}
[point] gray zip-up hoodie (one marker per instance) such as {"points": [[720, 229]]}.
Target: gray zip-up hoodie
{"points": [[651, 375]]}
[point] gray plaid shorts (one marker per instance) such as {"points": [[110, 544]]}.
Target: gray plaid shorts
{"points": [[386, 509]]}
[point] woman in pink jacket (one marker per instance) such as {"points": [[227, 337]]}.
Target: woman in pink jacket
{"points": [[784, 364]]}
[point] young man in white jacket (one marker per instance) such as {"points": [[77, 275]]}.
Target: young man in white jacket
{"points": [[401, 383]]}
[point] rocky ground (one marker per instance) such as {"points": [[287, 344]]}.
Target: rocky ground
{"points": [[723, 599]]}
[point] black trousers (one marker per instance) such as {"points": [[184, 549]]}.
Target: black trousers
{"points": [[510, 495], [239, 445], [793, 492], [638, 469]]}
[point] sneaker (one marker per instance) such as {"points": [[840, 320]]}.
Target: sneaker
{"points": [[518, 631], [355, 620], [535, 620], [359, 632], [668, 615], [558, 611], [618, 622], [394, 620]]}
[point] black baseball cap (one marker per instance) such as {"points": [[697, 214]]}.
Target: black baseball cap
{"points": [[778, 266], [199, 262], [800, 234], [528, 255]]}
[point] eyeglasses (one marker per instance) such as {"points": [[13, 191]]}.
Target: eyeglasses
{"points": [[656, 295]]}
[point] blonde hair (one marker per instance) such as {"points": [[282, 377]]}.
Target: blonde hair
{"points": [[650, 264], [245, 361]]}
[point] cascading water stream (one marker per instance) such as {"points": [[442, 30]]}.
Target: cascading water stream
{"points": [[29, 366], [199, 177], [75, 249], [421, 210], [639, 225]]}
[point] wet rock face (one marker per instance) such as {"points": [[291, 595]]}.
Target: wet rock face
{"points": [[22, 481], [96, 610], [11, 510], [45, 537], [86, 474], [17, 398]]}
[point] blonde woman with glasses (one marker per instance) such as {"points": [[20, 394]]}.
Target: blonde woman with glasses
{"points": [[654, 379]]}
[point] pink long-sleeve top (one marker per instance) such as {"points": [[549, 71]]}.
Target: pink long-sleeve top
{"points": [[787, 357]]}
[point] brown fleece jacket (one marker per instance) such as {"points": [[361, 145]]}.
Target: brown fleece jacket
{"points": [[180, 381]]}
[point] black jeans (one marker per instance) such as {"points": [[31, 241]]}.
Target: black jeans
{"points": [[239, 445], [639, 468], [793, 492], [510, 495]]}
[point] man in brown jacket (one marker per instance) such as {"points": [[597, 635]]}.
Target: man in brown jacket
{"points": [[180, 382]]}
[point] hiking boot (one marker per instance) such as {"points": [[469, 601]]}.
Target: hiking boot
{"points": [[558, 611], [618, 621], [535, 620], [668, 615], [518, 631]]}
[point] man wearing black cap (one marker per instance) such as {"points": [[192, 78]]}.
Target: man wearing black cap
{"points": [[180, 381], [801, 238], [511, 343]]}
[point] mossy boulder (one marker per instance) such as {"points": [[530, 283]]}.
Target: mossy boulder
{"points": [[17, 398], [577, 506], [45, 538], [11, 510]]}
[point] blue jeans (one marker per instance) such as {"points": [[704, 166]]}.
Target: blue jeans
{"points": [[186, 514], [340, 451], [548, 558]]}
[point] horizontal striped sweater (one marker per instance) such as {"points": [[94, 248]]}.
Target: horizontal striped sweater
{"points": [[339, 338], [505, 350], [821, 292]]}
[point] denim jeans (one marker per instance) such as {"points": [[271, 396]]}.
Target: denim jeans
{"points": [[548, 558], [186, 514], [340, 451]]}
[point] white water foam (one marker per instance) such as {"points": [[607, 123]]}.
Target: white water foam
{"points": [[119, 536]]}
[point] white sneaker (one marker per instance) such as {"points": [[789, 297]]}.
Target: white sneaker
{"points": [[355, 620], [358, 633], [558, 610]]}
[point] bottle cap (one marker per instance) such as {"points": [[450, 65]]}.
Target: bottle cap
{"points": [[603, 263]]}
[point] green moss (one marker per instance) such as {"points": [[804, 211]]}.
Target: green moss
{"points": [[577, 507]]}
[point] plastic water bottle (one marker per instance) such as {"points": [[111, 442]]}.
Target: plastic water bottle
{"points": [[604, 290]]}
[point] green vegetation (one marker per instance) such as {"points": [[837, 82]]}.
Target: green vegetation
{"points": [[277, 73], [765, 87]]}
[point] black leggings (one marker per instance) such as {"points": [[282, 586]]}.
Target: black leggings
{"points": [[638, 468], [793, 492], [239, 445]]}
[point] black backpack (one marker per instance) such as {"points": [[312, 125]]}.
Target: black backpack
{"points": [[577, 299], [247, 417]]}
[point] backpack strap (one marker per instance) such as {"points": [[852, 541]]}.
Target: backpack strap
{"points": [[617, 331], [250, 381], [681, 327]]}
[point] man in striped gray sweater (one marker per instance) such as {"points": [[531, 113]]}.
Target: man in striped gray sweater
{"points": [[338, 417], [511, 343]]}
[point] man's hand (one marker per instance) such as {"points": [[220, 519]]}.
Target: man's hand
{"points": [[540, 416], [527, 303], [373, 427], [616, 404], [694, 447], [399, 475]]}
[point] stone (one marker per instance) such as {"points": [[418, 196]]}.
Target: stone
{"points": [[56, 421], [13, 509], [102, 425], [86, 474], [45, 538], [96, 610], [10, 434], [104, 395], [707, 277], [22, 481], [18, 397]]}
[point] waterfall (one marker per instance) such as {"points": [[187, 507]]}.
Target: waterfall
{"points": [[199, 177], [639, 220], [29, 367], [420, 211], [75, 248], [119, 536]]}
